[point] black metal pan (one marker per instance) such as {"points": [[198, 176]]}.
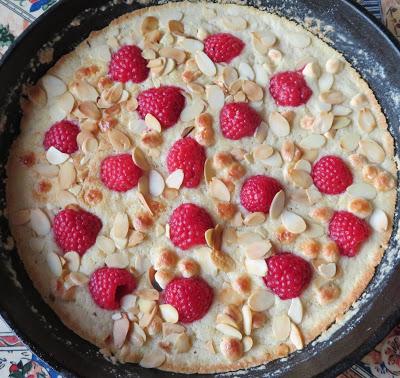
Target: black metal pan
{"points": [[365, 43]]}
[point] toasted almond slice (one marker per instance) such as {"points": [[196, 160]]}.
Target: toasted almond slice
{"points": [[281, 327], [78, 279], [55, 156], [120, 331], [139, 159], [246, 71], [153, 359], [149, 24], [262, 41], [67, 175], [175, 179], [90, 145], [298, 39], [253, 91], [312, 70], [152, 122], [156, 183], [117, 260], [54, 263], [261, 300], [366, 120], [121, 225], [83, 91], [313, 141], [234, 23], [334, 66], [226, 319], [128, 302], [169, 313], [340, 122], [119, 140], [222, 261], [325, 82], [53, 86], [40, 223], [379, 220], [254, 219], [295, 311], [293, 222], [327, 270], [205, 64], [229, 75], [300, 178], [278, 124], [256, 267], [277, 204], [46, 170], [359, 100], [262, 152], [258, 249], [215, 97], [105, 244], [171, 328], [176, 54], [20, 217], [182, 343], [362, 190], [296, 337], [192, 110], [349, 141], [247, 319], [372, 150], [247, 343], [274, 160], [90, 110], [209, 237], [218, 190], [191, 45], [73, 261], [303, 165], [66, 102], [229, 331], [332, 97], [246, 238]]}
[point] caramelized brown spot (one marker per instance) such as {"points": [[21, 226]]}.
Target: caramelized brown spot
{"points": [[93, 196], [85, 72], [226, 210], [44, 186], [29, 159]]}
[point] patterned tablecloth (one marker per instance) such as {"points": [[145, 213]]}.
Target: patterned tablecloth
{"points": [[17, 361]]}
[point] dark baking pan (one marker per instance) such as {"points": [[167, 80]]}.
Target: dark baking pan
{"points": [[357, 35]]}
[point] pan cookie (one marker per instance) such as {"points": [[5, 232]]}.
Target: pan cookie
{"points": [[201, 187]]}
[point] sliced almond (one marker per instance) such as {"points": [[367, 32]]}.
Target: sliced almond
{"points": [[152, 122], [215, 97], [254, 219], [78, 279], [247, 343], [191, 45], [218, 190], [229, 331], [281, 327], [120, 225], [262, 152], [296, 337], [226, 319], [231, 348], [325, 82], [67, 175], [156, 183], [139, 159], [54, 263], [169, 313], [149, 24], [253, 91], [332, 97], [295, 311], [372, 150], [262, 41], [362, 190], [120, 331], [55, 156], [256, 267], [53, 86], [300, 178], [175, 179], [83, 91], [293, 222], [177, 55], [359, 100], [297, 39], [277, 204], [246, 71], [258, 249], [20, 217], [261, 300], [153, 359], [313, 141], [278, 124], [274, 160], [40, 222], [171, 328], [349, 141], [366, 120], [229, 75], [117, 260], [119, 140], [46, 170], [247, 319], [182, 343], [379, 220], [205, 64], [222, 261], [192, 110], [275, 56], [303, 165], [73, 261], [234, 23]]}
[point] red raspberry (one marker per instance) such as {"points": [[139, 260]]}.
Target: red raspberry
{"points": [[119, 172], [164, 103], [188, 155], [188, 223], [238, 120], [288, 275], [331, 175], [76, 230], [128, 64], [222, 47], [348, 231], [62, 135], [258, 192], [289, 89], [192, 297], [108, 285]]}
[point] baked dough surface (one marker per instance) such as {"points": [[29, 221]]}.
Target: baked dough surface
{"points": [[37, 190]]}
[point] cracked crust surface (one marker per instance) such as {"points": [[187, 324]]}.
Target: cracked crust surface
{"points": [[94, 324]]}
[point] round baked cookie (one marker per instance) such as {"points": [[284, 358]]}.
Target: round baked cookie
{"points": [[201, 187]]}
